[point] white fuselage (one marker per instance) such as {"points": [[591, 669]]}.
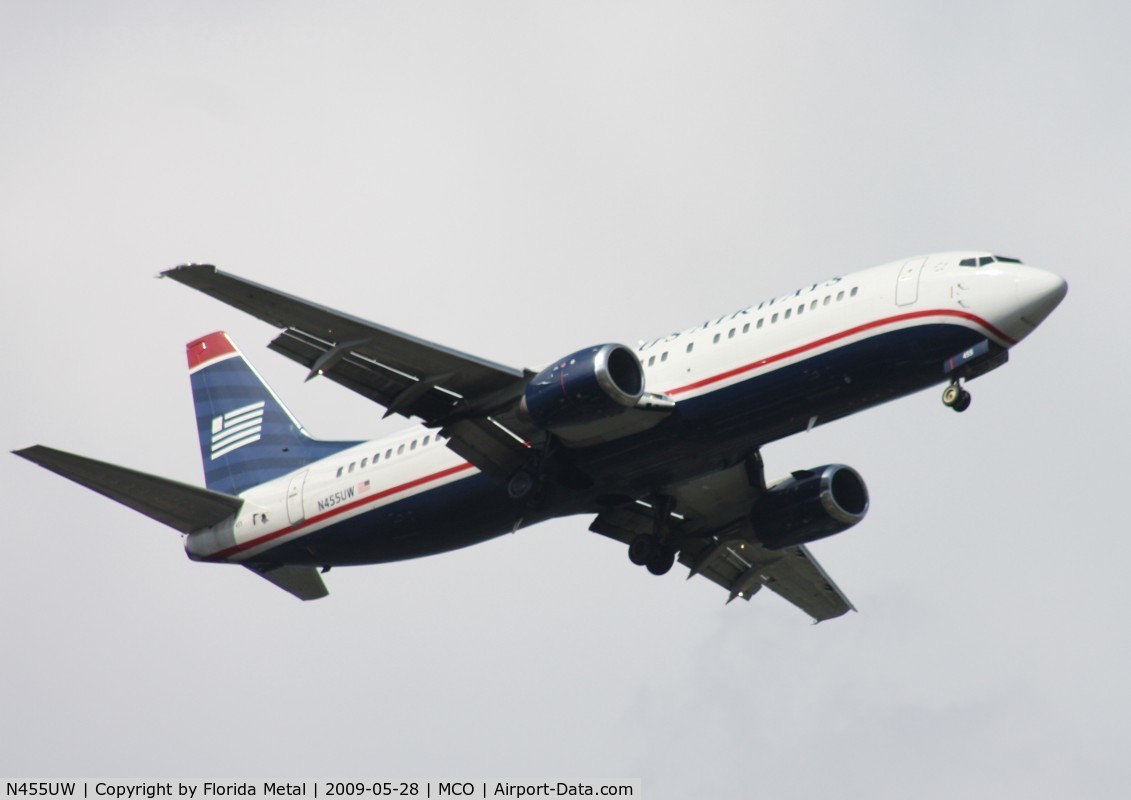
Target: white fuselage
{"points": [[1001, 301]]}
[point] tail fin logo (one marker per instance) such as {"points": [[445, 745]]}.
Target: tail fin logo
{"points": [[233, 430]]}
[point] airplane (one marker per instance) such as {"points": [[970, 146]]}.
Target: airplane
{"points": [[659, 443]]}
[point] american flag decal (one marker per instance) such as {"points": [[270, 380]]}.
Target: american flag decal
{"points": [[236, 428]]}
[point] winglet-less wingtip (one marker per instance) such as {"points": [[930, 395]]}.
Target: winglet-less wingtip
{"points": [[181, 271]]}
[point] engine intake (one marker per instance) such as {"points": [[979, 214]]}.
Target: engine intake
{"points": [[588, 385], [810, 505]]}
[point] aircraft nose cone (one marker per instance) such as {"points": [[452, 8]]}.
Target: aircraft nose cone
{"points": [[1038, 293]]}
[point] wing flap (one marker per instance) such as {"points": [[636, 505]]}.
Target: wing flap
{"points": [[742, 567], [487, 446], [718, 542], [802, 581], [406, 375], [398, 351], [347, 366], [181, 506]]}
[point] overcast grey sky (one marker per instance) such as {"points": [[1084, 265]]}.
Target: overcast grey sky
{"points": [[520, 180]]}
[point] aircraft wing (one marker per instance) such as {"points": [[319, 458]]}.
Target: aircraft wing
{"points": [[719, 544], [408, 376]]}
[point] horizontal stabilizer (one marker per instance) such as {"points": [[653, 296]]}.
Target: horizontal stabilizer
{"points": [[303, 582], [181, 506]]}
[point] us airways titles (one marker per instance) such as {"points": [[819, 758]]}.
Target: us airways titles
{"points": [[671, 337]]}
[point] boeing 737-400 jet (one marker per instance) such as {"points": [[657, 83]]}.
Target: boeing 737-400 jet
{"points": [[660, 443]]}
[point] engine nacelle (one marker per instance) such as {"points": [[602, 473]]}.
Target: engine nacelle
{"points": [[588, 385], [810, 505]]}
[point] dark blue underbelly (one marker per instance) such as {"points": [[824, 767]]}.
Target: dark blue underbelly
{"points": [[705, 433]]}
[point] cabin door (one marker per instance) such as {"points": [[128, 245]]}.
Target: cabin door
{"points": [[907, 285], [295, 511]]}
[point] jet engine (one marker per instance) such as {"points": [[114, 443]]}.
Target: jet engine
{"points": [[589, 385], [810, 505]]}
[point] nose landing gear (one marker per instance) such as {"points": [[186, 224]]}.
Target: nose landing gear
{"points": [[955, 397]]}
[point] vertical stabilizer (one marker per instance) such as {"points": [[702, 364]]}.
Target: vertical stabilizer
{"points": [[247, 436]]}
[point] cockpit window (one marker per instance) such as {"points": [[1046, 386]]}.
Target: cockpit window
{"points": [[1008, 260], [982, 261]]}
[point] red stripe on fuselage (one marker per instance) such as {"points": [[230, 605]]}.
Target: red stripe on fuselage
{"points": [[404, 487], [762, 362], [239, 548]]}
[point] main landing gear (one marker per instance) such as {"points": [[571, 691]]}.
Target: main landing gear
{"points": [[954, 396], [654, 550], [646, 550]]}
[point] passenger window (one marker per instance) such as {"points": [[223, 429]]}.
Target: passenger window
{"points": [[413, 445], [340, 471], [788, 311], [651, 360], [839, 296], [400, 449], [828, 297], [855, 289], [813, 306], [773, 319], [375, 457], [746, 328], [364, 461], [730, 335], [352, 465], [388, 454], [801, 309], [690, 346], [664, 356], [716, 339], [425, 442]]}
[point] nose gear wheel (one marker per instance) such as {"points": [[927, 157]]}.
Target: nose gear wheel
{"points": [[955, 397]]}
